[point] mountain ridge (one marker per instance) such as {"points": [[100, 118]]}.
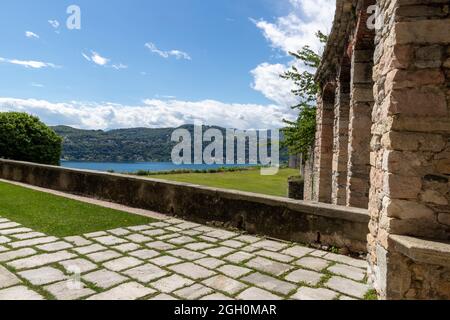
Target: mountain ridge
{"points": [[123, 145]]}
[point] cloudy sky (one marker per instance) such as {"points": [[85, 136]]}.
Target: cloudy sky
{"points": [[155, 63]]}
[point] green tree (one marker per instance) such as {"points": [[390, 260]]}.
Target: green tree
{"points": [[26, 138], [300, 134]]}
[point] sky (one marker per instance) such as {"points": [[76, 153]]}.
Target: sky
{"points": [[155, 63]]}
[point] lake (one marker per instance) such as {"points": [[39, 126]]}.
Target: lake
{"points": [[133, 167]]}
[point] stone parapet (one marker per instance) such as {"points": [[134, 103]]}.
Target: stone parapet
{"points": [[276, 217]]}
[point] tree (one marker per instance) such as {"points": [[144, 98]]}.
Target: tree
{"points": [[300, 134], [26, 138]]}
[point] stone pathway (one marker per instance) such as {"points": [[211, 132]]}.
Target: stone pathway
{"points": [[170, 259]]}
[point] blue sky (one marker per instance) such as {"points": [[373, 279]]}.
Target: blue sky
{"points": [[154, 63]]}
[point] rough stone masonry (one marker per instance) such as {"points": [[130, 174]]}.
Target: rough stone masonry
{"points": [[383, 138]]}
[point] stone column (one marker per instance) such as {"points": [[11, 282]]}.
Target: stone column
{"points": [[361, 105], [410, 158], [324, 146], [340, 142]]}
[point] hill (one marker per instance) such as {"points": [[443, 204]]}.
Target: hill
{"points": [[122, 145]]}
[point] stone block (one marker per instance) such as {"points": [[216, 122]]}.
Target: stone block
{"points": [[160, 245], [55, 246], [301, 276], [218, 251], [349, 287], [192, 271], [224, 284], [126, 247], [193, 292], [239, 257], [401, 187], [104, 278], [19, 293], [16, 254], [275, 256], [186, 254], [146, 273], [110, 240], [144, 254], [32, 242], [89, 249], [41, 260], [425, 102], [171, 284], [63, 291], [269, 283], [78, 265], [103, 256], [268, 266], [43, 275], [305, 293], [123, 263], [315, 264], [257, 294], [165, 261], [7, 279], [348, 272], [234, 271], [298, 251], [423, 32], [126, 291]]}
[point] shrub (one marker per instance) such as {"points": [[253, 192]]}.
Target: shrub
{"points": [[26, 138]]}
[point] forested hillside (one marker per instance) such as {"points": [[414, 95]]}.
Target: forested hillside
{"points": [[123, 145]]}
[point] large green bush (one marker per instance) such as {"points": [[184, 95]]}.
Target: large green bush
{"points": [[26, 138]]}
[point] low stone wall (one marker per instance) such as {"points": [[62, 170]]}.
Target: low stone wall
{"points": [[281, 218], [419, 269]]}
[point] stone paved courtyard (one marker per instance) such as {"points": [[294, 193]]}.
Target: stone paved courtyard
{"points": [[170, 259]]}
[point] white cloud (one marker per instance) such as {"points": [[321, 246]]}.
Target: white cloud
{"points": [[267, 80], [297, 29], [29, 63], [54, 23], [119, 66], [153, 113], [167, 54], [37, 85], [31, 35], [86, 56], [289, 34], [98, 59]]}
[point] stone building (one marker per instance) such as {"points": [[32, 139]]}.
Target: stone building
{"points": [[383, 137]]}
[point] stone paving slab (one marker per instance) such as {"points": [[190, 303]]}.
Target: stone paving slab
{"points": [[126, 291], [7, 279], [19, 293], [61, 291], [43, 275], [270, 283], [170, 259]]}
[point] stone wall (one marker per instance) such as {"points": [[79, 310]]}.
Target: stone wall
{"points": [[323, 152], [398, 136], [340, 141], [410, 159], [276, 217]]}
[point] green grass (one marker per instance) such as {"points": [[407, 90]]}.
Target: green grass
{"points": [[371, 295], [60, 216], [248, 180]]}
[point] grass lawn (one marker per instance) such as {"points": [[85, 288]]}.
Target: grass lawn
{"points": [[249, 180], [58, 216]]}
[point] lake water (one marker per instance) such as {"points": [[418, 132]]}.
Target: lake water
{"points": [[136, 166]]}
